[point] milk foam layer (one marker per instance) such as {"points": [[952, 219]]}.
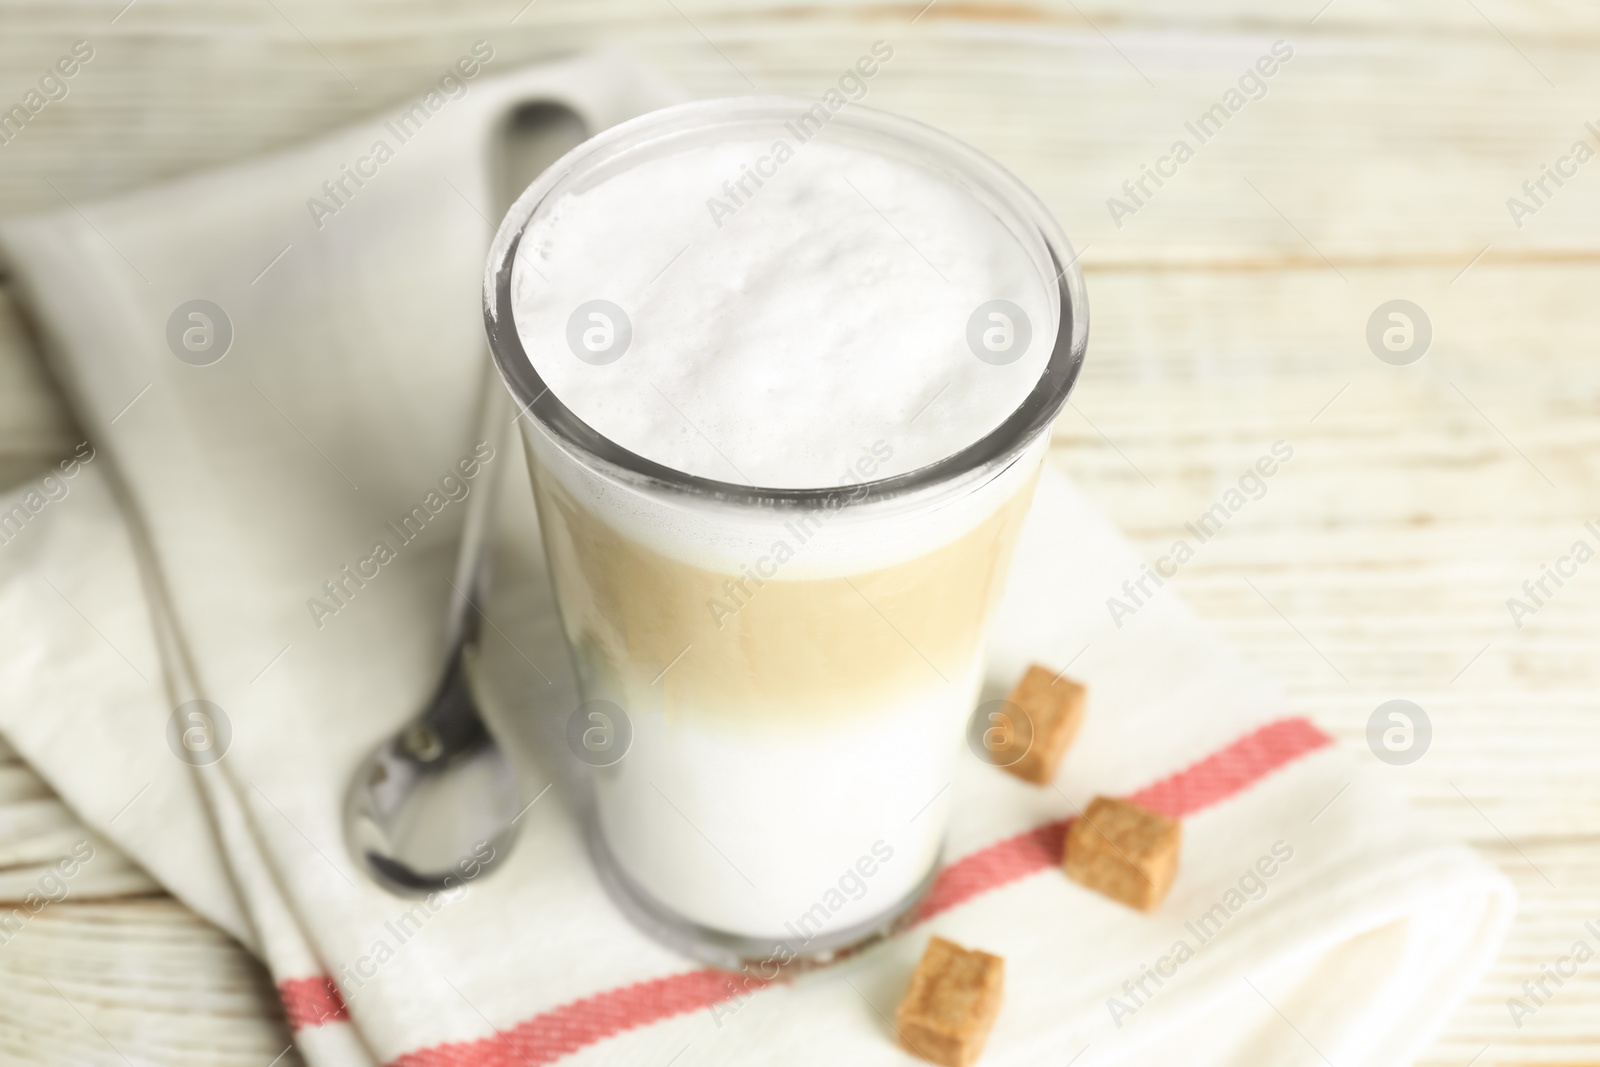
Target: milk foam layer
{"points": [[783, 334]]}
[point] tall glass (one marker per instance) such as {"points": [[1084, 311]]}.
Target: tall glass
{"points": [[776, 682]]}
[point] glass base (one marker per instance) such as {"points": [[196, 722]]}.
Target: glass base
{"points": [[764, 957]]}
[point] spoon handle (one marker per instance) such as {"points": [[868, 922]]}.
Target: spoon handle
{"points": [[462, 618]]}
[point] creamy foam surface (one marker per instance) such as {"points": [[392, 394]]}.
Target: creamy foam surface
{"points": [[806, 332]]}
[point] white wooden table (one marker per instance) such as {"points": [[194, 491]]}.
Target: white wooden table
{"points": [[1230, 311]]}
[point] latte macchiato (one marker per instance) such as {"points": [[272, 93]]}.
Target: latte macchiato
{"points": [[788, 378]]}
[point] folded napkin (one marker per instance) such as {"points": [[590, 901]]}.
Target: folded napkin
{"points": [[225, 499]]}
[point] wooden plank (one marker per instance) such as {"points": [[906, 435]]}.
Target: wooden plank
{"points": [[1392, 540], [1367, 148], [146, 978]]}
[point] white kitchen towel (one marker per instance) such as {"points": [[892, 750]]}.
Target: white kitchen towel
{"points": [[1314, 919]]}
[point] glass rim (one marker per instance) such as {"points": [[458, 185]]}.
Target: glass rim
{"points": [[989, 454]]}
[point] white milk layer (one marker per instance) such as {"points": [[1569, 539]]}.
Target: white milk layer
{"points": [[779, 330], [794, 835]]}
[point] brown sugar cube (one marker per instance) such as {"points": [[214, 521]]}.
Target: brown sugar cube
{"points": [[1054, 707], [1124, 851], [954, 996]]}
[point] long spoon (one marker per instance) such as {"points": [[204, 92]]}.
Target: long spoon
{"points": [[435, 805]]}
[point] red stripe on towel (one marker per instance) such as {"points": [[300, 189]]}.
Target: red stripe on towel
{"points": [[311, 1002], [561, 1031], [1198, 786], [549, 1036], [1232, 769]]}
